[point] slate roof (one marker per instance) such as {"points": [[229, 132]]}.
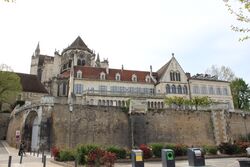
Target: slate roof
{"points": [[30, 83], [78, 44], [161, 71]]}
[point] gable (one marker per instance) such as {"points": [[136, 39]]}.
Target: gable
{"points": [[174, 67]]}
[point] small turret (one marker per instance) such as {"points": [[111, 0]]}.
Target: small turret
{"points": [[97, 62]]}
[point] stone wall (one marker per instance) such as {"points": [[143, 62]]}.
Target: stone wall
{"points": [[238, 124], [4, 121], [99, 125], [170, 126]]}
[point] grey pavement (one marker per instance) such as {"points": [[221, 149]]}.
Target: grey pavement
{"points": [[28, 160]]}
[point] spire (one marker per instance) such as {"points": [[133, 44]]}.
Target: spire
{"points": [[37, 51], [97, 62]]}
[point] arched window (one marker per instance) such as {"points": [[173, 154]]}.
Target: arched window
{"points": [[79, 74], [171, 76], [83, 62], [102, 76], [79, 62], [185, 89], [117, 77], [70, 63], [134, 78], [167, 88], [173, 89], [178, 76], [179, 89]]}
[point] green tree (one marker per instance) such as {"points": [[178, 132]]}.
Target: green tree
{"points": [[223, 73], [178, 101], [242, 14], [241, 94], [9, 87]]}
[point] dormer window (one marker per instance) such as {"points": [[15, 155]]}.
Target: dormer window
{"points": [[134, 78], [147, 79], [79, 74], [102, 76], [117, 77]]}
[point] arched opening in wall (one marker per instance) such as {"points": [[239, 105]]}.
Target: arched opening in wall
{"points": [[31, 130]]}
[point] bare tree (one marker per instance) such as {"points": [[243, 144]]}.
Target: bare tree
{"points": [[223, 73]]}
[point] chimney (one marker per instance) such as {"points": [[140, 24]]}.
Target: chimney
{"points": [[188, 75]]}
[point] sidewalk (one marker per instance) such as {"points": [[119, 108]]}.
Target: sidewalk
{"points": [[27, 161]]}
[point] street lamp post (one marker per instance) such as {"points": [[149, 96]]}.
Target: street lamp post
{"points": [[71, 108]]}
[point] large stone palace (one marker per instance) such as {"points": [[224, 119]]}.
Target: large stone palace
{"points": [[78, 71], [73, 97]]}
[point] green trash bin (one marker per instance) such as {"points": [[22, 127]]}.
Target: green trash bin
{"points": [[168, 159]]}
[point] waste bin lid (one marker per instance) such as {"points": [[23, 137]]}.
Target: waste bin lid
{"points": [[197, 153]]}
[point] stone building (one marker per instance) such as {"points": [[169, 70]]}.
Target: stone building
{"points": [[78, 70]]}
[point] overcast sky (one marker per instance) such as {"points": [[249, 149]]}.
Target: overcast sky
{"points": [[135, 33]]}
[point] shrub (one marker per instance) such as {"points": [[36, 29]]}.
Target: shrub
{"points": [[169, 146], [242, 146], [66, 155], [109, 159], [180, 149], [147, 153], [95, 157], [156, 149], [210, 149], [119, 152], [81, 152], [55, 152], [228, 148], [91, 147]]}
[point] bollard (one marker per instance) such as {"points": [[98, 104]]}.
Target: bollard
{"points": [[10, 158], [37, 152], [34, 153], [75, 162], [21, 158], [44, 161]]}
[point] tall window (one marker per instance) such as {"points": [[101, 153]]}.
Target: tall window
{"points": [[225, 92], [203, 90], [117, 77], [196, 90], [78, 88], [167, 88], [172, 76], [179, 89], [103, 89], [178, 76], [63, 89], [211, 90], [70, 63], [185, 89], [173, 89], [218, 91], [134, 78], [79, 62]]}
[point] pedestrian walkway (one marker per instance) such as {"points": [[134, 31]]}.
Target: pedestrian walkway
{"points": [[27, 161]]}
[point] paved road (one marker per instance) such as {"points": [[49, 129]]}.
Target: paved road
{"points": [[223, 162]]}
